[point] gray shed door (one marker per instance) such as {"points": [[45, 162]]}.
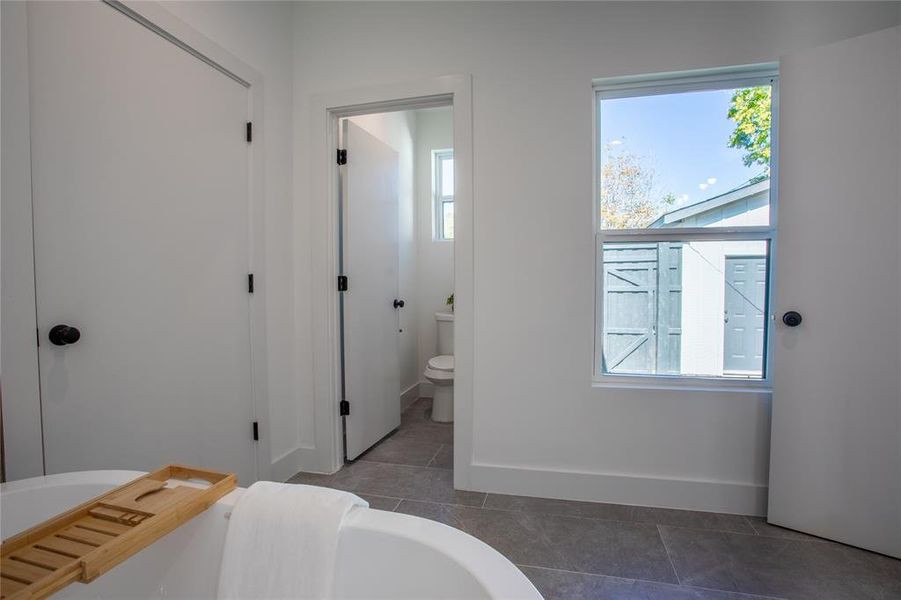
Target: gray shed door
{"points": [[745, 301], [642, 308]]}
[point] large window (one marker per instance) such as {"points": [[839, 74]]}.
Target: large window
{"points": [[684, 190], [443, 192]]}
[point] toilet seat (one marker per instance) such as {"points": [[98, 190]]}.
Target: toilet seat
{"points": [[444, 363], [439, 377]]}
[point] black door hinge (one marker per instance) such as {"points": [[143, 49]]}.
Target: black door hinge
{"points": [[250, 283], [344, 408], [256, 431], [342, 156], [342, 283], [249, 135]]}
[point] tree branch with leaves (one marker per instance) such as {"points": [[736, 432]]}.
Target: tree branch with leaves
{"points": [[751, 109], [627, 192]]}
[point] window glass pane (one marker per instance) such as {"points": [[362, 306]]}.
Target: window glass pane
{"points": [[685, 308], [693, 159], [447, 177], [447, 211]]}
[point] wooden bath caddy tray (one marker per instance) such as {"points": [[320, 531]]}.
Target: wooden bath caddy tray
{"points": [[89, 540]]}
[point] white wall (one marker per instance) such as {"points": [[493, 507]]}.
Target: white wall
{"points": [[539, 425], [434, 131], [398, 130]]}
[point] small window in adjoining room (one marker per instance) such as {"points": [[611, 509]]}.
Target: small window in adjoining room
{"points": [[443, 192], [685, 187]]}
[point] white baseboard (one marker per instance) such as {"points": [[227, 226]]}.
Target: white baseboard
{"points": [[297, 460], [687, 494], [409, 395], [422, 389]]}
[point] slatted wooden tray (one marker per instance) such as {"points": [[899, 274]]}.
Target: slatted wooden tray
{"points": [[89, 540]]}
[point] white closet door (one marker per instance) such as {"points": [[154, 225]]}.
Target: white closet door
{"points": [[370, 230], [836, 446], [140, 169]]}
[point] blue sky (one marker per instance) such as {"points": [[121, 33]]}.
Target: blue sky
{"points": [[683, 136]]}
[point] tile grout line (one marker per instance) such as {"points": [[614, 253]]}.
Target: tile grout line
{"points": [[668, 557], [799, 537], [377, 495], [728, 531], [566, 516], [602, 519], [381, 462], [653, 581], [454, 504], [437, 452], [698, 587], [750, 524]]}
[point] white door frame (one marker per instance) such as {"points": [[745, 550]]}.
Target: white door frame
{"points": [[326, 110], [22, 391]]}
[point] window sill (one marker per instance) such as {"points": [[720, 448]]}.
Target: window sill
{"points": [[683, 384]]}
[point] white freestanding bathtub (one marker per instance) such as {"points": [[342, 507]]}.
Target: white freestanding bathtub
{"points": [[380, 554]]}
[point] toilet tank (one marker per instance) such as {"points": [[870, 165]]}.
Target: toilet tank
{"points": [[445, 323]]}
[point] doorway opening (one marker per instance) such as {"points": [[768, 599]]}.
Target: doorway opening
{"points": [[326, 455], [396, 263]]}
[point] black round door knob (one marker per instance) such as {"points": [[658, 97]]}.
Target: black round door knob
{"points": [[398, 304], [62, 335], [792, 318]]}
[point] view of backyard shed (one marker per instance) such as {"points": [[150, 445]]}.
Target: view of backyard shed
{"points": [[690, 306]]}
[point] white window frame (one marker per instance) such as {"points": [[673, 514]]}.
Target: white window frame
{"points": [[438, 200], [669, 83]]}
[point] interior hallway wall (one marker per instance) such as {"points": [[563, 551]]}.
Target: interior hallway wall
{"points": [[398, 130], [540, 425], [434, 131]]}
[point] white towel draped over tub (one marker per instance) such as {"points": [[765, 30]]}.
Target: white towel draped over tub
{"points": [[282, 542]]}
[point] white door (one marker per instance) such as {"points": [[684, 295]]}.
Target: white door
{"points": [[370, 261], [744, 303], [835, 468], [140, 170]]}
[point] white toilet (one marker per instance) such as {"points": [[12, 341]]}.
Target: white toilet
{"points": [[440, 370]]}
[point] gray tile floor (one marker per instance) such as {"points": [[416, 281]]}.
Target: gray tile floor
{"points": [[610, 551]]}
